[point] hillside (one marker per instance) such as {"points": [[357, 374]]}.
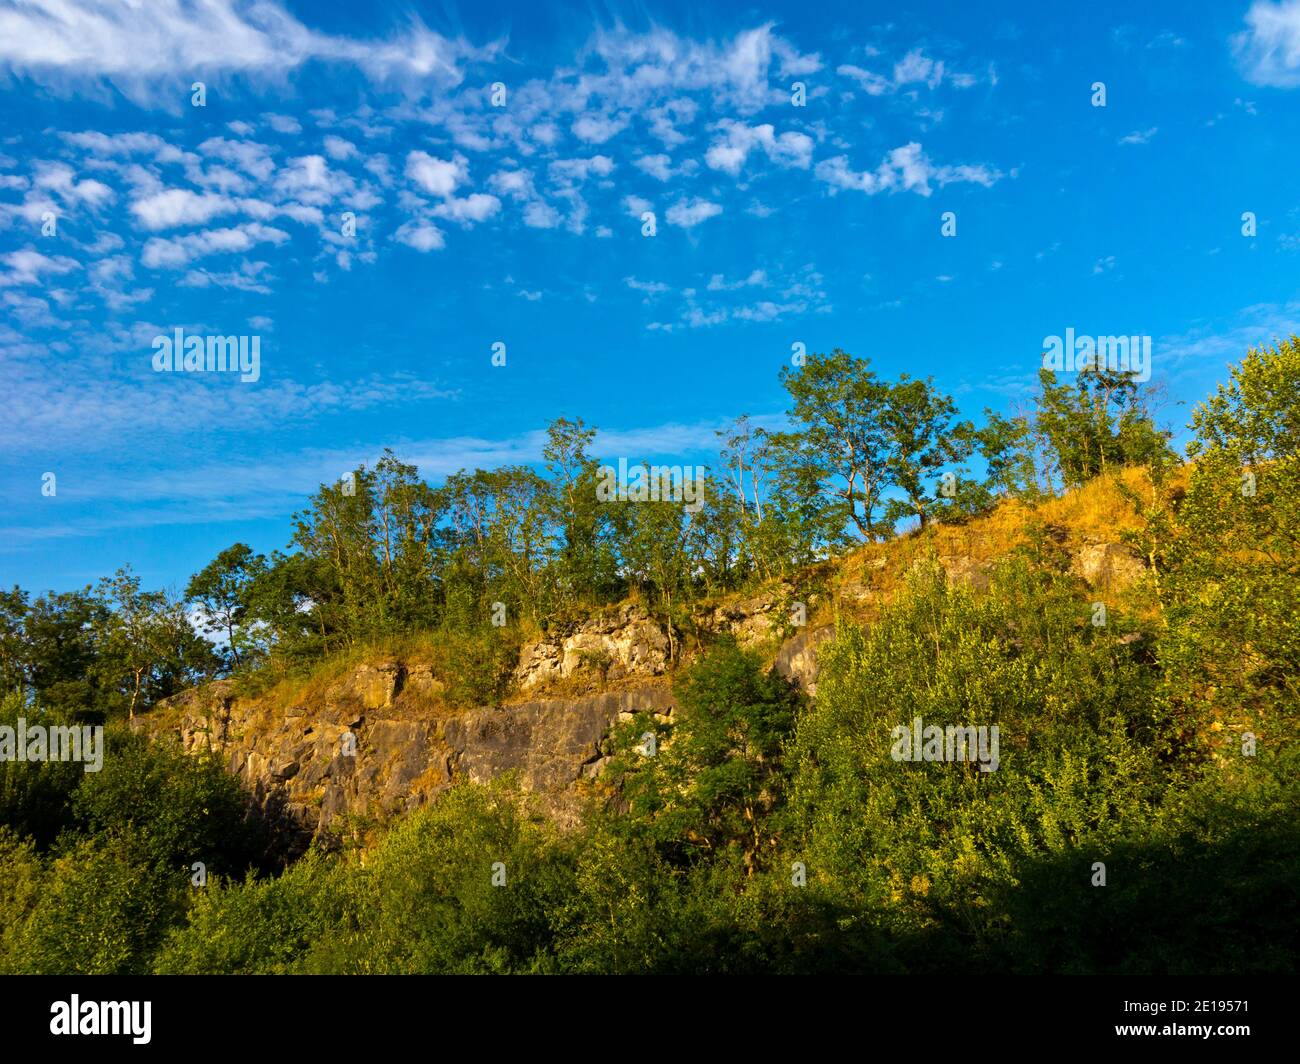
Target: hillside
{"points": [[570, 688], [501, 725]]}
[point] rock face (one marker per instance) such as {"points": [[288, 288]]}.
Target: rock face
{"points": [[751, 621], [613, 646], [368, 746], [374, 685], [355, 754], [797, 658], [550, 743], [1106, 566], [963, 569]]}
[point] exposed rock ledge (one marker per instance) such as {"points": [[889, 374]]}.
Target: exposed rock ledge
{"points": [[369, 745], [313, 764]]}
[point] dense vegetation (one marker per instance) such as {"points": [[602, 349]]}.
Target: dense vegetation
{"points": [[382, 552], [767, 832]]}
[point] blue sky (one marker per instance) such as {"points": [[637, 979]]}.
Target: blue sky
{"points": [[521, 224]]}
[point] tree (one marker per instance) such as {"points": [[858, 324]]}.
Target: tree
{"points": [[500, 544], [1103, 421], [655, 554], [292, 605], [1234, 569], [61, 643], [921, 439], [221, 590], [339, 529], [1006, 447], [586, 567], [147, 648], [716, 775], [13, 649], [841, 445]]}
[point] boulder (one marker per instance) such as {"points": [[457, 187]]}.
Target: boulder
{"points": [[964, 570], [1107, 566], [797, 658]]}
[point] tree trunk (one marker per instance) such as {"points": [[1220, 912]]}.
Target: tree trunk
{"points": [[130, 713]]}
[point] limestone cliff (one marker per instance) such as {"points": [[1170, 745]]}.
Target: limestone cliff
{"points": [[379, 739]]}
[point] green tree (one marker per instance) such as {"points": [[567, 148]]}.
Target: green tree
{"points": [[716, 774], [1234, 571], [922, 438], [1102, 422], [221, 589], [841, 444], [62, 637], [586, 566], [147, 649]]}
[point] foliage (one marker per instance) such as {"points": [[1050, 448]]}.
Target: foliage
{"points": [[761, 832]]}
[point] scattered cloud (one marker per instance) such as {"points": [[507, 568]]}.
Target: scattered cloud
{"points": [[1139, 136]]}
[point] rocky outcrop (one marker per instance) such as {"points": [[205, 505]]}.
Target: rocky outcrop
{"points": [[751, 620], [379, 740], [964, 570], [1108, 566], [549, 744], [612, 646], [353, 753], [797, 658], [374, 686], [860, 589]]}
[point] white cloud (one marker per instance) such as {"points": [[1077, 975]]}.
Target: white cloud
{"points": [[246, 277], [665, 119], [1268, 50], [598, 128], [144, 48], [872, 84], [766, 310], [436, 176], [717, 283], [915, 68], [907, 168], [636, 206], [517, 184], [61, 179], [476, 207], [28, 266], [253, 158], [1139, 136], [421, 235], [641, 69], [173, 252], [660, 167], [286, 124], [687, 215], [576, 171], [179, 206], [339, 149], [540, 215], [728, 154]]}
